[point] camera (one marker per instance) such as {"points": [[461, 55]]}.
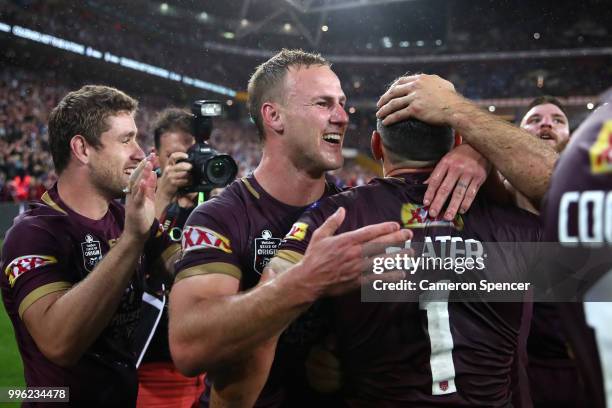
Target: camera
{"points": [[211, 169]]}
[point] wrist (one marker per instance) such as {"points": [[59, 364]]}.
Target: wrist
{"points": [[461, 113], [166, 195], [132, 239], [293, 285]]}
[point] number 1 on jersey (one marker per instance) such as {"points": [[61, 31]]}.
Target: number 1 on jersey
{"points": [[435, 304]]}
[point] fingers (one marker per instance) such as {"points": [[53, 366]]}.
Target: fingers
{"points": [[395, 105], [470, 195], [434, 181], [399, 116], [331, 224], [379, 245], [179, 173], [390, 276], [396, 89], [136, 175], [144, 185], [176, 157], [378, 250], [459, 194], [176, 176], [443, 191], [150, 177], [368, 233]]}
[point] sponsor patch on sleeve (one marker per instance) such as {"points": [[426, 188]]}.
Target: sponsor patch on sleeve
{"points": [[26, 263], [195, 238], [600, 153], [298, 231]]}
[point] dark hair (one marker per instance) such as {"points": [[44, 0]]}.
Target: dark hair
{"points": [[414, 140], [543, 100], [171, 120], [84, 112], [263, 84]]}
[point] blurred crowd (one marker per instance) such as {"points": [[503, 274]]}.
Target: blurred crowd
{"points": [[26, 166], [136, 30], [25, 161]]}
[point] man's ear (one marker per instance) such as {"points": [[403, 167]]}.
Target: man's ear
{"points": [[272, 117], [376, 144], [80, 149]]}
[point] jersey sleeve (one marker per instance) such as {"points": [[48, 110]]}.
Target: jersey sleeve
{"points": [[34, 263], [294, 245], [211, 241], [159, 249]]}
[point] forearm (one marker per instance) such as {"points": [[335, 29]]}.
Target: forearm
{"points": [[215, 332], [241, 384], [78, 317], [524, 160]]}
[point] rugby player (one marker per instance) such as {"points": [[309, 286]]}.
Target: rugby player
{"points": [[556, 359], [526, 163], [297, 104], [583, 171], [385, 349], [545, 119], [74, 263]]}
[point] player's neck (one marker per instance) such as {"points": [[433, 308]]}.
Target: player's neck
{"points": [[81, 196], [395, 172], [289, 185]]}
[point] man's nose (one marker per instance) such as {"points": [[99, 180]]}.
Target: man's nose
{"points": [[340, 116], [546, 121], [138, 153]]}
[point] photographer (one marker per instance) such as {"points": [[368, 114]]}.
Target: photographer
{"points": [[173, 137], [159, 382]]}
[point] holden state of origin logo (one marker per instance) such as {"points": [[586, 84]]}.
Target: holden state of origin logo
{"points": [[92, 252], [265, 249]]}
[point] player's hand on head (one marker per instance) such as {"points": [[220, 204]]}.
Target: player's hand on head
{"points": [[140, 200], [334, 264], [459, 174], [424, 97]]}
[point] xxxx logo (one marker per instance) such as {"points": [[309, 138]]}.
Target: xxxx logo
{"points": [[600, 153], [298, 231], [417, 216], [199, 238], [26, 263]]}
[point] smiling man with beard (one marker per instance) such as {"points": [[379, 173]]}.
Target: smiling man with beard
{"points": [[74, 263]]}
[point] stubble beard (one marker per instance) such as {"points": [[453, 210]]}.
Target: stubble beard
{"points": [[107, 183]]}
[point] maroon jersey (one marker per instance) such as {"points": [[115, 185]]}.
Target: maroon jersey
{"points": [[576, 210], [173, 220], [51, 248], [386, 348], [237, 233]]}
